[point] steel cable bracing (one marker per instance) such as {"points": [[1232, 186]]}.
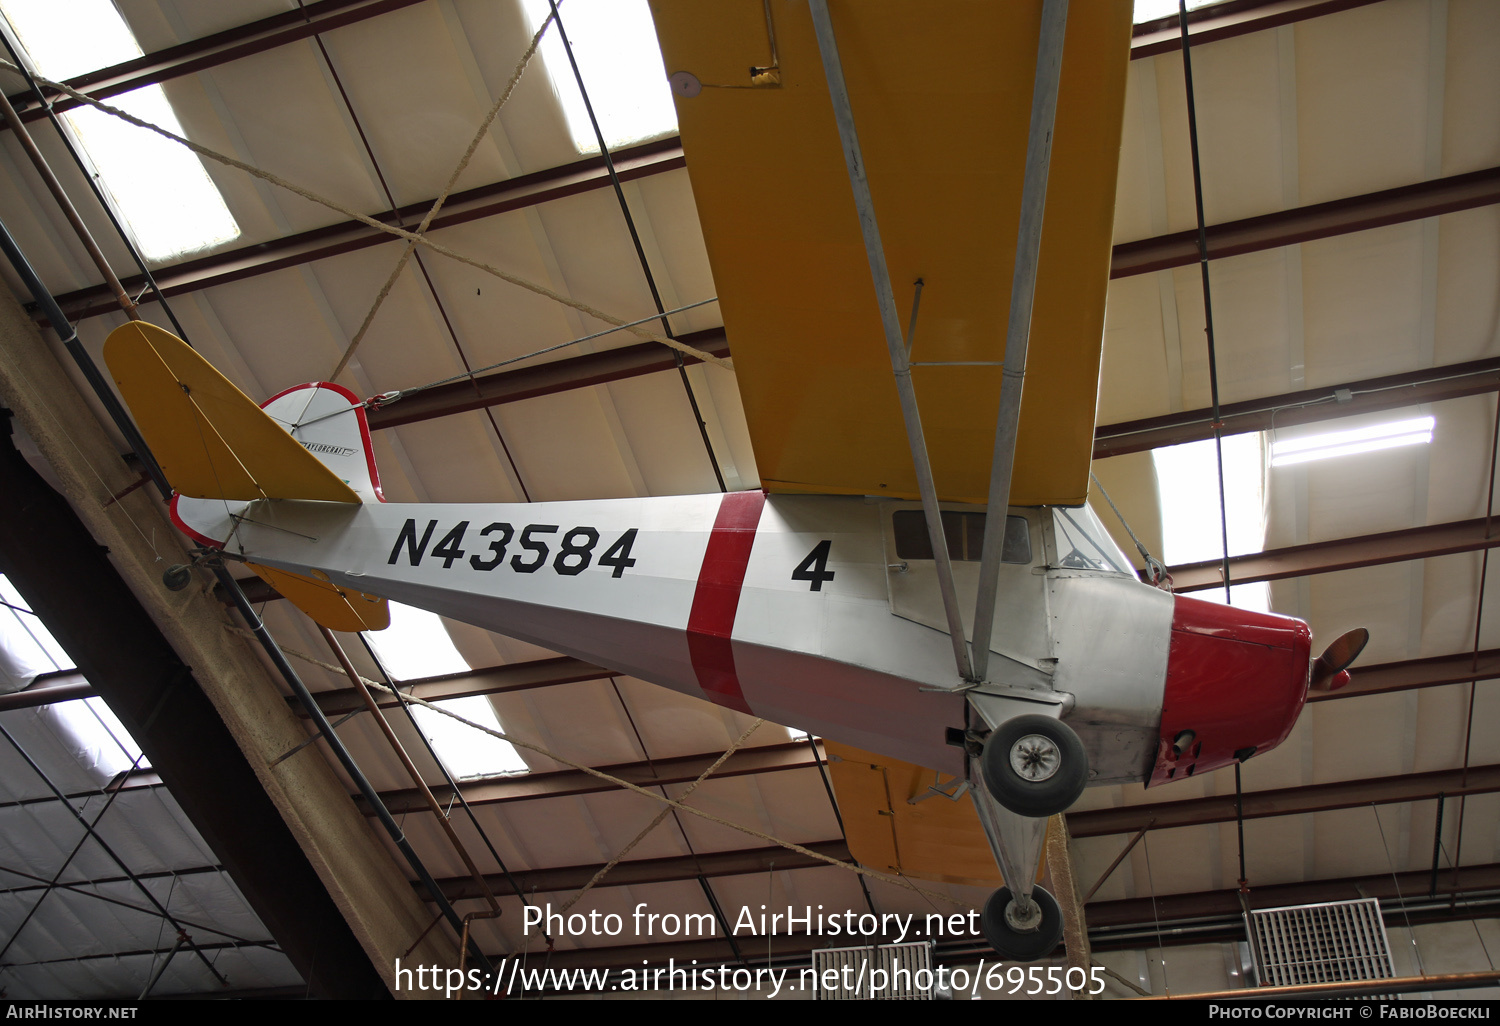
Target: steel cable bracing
{"points": [[447, 775], [66, 863], [108, 851], [1208, 309], [442, 198], [410, 248], [91, 178], [231, 587], [640, 252], [708, 892], [627, 785], [660, 816], [379, 225], [1484, 569]]}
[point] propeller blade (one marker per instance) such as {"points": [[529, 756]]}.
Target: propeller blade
{"points": [[1337, 658]]}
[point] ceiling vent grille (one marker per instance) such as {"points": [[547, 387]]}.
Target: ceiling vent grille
{"points": [[1325, 943], [890, 972]]}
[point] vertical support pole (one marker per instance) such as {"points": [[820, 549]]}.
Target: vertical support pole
{"points": [[843, 115], [1018, 329]]}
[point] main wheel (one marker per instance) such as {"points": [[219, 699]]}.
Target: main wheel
{"points": [[1035, 765], [1022, 934]]}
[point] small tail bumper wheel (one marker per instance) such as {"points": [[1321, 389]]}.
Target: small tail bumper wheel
{"points": [[1022, 929], [1035, 765]]}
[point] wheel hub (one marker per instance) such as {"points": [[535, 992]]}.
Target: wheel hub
{"points": [[1023, 916], [1035, 758]]}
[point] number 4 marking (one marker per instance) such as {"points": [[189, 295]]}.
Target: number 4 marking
{"points": [[814, 568]]}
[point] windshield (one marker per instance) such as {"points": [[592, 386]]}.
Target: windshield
{"points": [[1084, 544]]}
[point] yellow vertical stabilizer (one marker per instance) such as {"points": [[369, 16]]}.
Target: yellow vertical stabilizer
{"points": [[213, 442], [210, 438]]}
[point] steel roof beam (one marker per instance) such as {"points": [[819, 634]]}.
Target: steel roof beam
{"points": [[1316, 221], [48, 690], [1223, 21], [1286, 801], [1309, 406], [1267, 231], [494, 680], [1174, 907], [649, 871], [545, 379], [1106, 918], [210, 51], [1436, 671], [516, 193], [684, 769], [1227, 20], [1339, 554]]}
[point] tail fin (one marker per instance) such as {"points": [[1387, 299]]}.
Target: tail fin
{"points": [[214, 443], [210, 438], [330, 423]]}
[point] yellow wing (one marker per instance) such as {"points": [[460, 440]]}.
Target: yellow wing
{"points": [[210, 438], [941, 94]]}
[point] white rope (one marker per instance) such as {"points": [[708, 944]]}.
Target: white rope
{"points": [[381, 226]]}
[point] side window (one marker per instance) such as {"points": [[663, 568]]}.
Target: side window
{"points": [[964, 533]]}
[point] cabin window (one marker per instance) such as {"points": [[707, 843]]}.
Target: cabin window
{"points": [[965, 535]]}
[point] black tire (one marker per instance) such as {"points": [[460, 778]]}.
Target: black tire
{"points": [[1016, 945], [1038, 797]]}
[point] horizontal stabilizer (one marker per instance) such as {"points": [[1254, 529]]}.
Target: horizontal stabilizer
{"points": [[935, 839], [338, 609], [210, 439]]}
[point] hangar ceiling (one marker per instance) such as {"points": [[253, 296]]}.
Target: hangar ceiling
{"points": [[1351, 167]]}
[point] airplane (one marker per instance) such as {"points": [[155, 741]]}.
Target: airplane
{"points": [[838, 597]]}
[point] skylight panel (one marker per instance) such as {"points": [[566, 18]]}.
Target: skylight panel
{"points": [[417, 645], [88, 728], [1349, 441], [615, 44], [1188, 483], [30, 647], [467, 752], [1155, 10], [160, 189]]}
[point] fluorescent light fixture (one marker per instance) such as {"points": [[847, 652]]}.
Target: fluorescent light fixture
{"points": [[160, 189], [1328, 444], [1187, 479], [618, 56], [416, 645]]}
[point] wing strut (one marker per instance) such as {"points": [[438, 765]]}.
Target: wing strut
{"points": [[1018, 330], [843, 115]]}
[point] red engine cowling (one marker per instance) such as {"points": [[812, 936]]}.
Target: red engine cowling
{"points": [[1236, 681]]}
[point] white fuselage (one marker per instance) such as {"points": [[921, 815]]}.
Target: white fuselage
{"points": [[796, 608]]}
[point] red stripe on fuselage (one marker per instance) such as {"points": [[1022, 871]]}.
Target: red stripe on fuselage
{"points": [[717, 599]]}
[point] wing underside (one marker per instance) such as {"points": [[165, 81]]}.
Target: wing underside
{"points": [[941, 97]]}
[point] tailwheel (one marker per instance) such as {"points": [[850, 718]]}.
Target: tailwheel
{"points": [[1022, 930], [1035, 765]]}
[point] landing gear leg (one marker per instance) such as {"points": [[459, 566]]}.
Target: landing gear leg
{"points": [[1016, 918]]}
